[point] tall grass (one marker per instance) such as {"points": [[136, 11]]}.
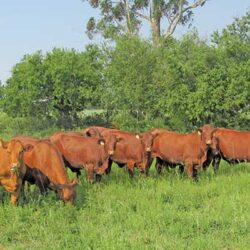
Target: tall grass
{"points": [[158, 212]]}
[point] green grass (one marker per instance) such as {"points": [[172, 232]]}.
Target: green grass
{"points": [[158, 212]]}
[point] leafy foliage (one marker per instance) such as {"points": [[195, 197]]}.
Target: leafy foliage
{"points": [[135, 86], [55, 86]]}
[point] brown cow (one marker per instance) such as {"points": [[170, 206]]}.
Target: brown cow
{"points": [[12, 168], [56, 137], [233, 146], [85, 152], [46, 167], [181, 149], [133, 149]]}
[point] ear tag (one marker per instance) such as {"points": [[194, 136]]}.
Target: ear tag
{"points": [[137, 137]]}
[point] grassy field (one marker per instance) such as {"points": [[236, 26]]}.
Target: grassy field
{"points": [[158, 212]]}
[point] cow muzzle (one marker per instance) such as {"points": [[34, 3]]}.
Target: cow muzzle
{"points": [[14, 168], [111, 152], [208, 142], [215, 152]]}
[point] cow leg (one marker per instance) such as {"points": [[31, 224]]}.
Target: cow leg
{"points": [[131, 166], [181, 169], [142, 167], [149, 163], [43, 189], [206, 164], [108, 170], [158, 165], [16, 194], [23, 190], [14, 198], [12, 186], [195, 173], [189, 169], [90, 173], [216, 163], [98, 177]]}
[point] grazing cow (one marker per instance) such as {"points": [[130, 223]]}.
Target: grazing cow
{"points": [[12, 169], [85, 152], [181, 149], [46, 169], [132, 149], [232, 145]]}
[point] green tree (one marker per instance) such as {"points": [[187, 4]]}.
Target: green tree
{"points": [[128, 79], [25, 87], [126, 17], [54, 86], [73, 80]]}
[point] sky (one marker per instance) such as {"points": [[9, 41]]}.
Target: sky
{"points": [[27, 25]]}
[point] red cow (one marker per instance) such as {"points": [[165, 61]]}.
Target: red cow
{"points": [[181, 149], [12, 169], [45, 167], [79, 152], [132, 149], [233, 146]]}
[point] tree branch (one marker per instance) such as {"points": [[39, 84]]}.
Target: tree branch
{"points": [[195, 5], [172, 26], [175, 21], [125, 2], [142, 16]]}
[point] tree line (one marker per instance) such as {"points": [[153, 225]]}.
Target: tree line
{"points": [[134, 85]]}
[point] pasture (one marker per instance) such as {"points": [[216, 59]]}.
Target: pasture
{"points": [[159, 212]]}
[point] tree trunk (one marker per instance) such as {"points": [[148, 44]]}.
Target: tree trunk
{"points": [[156, 30]]}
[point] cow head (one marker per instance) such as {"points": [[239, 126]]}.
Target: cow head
{"points": [[109, 142], [67, 192], [147, 140], [207, 134], [15, 150]]}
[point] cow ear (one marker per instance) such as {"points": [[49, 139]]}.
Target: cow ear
{"points": [[3, 144], [101, 142], [118, 138], [214, 131], [28, 147], [199, 131], [88, 134], [155, 132], [138, 136]]}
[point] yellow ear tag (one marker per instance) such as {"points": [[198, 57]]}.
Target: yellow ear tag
{"points": [[102, 143], [199, 133], [137, 137]]}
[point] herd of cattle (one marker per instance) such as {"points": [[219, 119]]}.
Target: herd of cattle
{"points": [[42, 161]]}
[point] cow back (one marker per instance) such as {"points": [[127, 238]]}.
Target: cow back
{"points": [[233, 144]]}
